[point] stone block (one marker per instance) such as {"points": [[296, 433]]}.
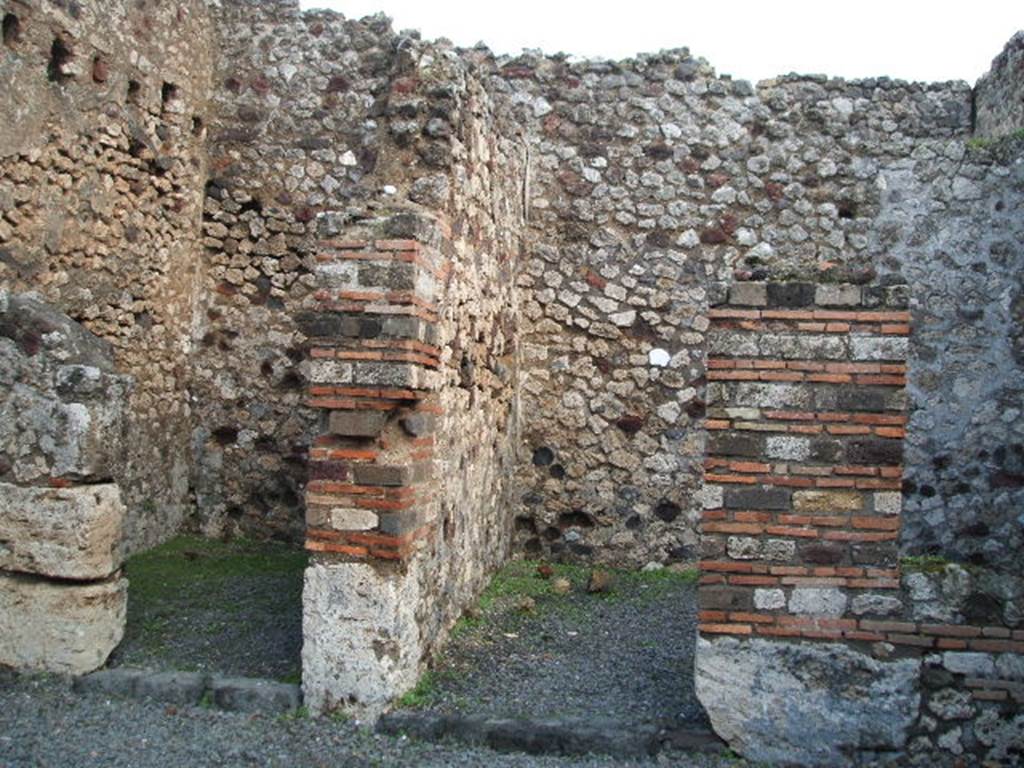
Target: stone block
{"points": [[378, 474], [59, 626], [888, 502], [775, 396], [878, 348], [356, 423], [723, 598], [711, 496], [61, 420], [327, 371], [875, 452], [394, 276], [340, 518], [244, 694], [362, 643], [822, 553], [792, 295], [336, 276], [808, 705], [875, 605], [391, 475], [119, 681], [400, 375], [802, 346], [419, 424], [748, 294], [743, 547], [860, 399], [818, 601], [828, 501], [33, 324], [65, 533], [968, 663], [403, 522], [787, 447], [319, 324], [769, 599], [756, 498], [729, 444], [181, 688], [837, 295]]}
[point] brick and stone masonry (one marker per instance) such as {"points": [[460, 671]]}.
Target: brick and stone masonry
{"points": [[371, 500], [806, 418], [800, 575], [420, 307]]}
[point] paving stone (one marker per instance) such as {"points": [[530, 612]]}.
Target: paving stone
{"points": [[244, 694]]}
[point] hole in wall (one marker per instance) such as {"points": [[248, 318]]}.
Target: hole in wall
{"points": [[847, 209], [12, 30], [100, 69], [575, 519], [198, 126], [225, 435], [61, 56], [134, 95], [543, 456], [526, 524], [667, 511], [169, 93]]}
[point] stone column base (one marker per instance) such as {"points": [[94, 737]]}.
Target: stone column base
{"points": [[60, 626]]}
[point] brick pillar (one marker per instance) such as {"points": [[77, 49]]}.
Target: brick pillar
{"points": [[369, 500], [806, 419]]}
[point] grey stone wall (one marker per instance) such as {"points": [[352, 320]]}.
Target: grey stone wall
{"points": [[101, 174], [999, 95], [952, 223], [63, 414]]}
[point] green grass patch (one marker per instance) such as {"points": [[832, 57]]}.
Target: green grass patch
{"points": [[992, 141], [187, 563], [924, 563], [301, 713], [422, 694], [519, 579]]}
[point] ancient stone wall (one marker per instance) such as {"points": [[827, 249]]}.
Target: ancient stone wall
{"points": [[295, 131], [63, 409], [426, 307], [101, 174], [999, 95], [814, 554]]}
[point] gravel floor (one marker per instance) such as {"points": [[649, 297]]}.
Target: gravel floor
{"points": [[236, 609], [44, 725], [624, 655], [208, 606]]}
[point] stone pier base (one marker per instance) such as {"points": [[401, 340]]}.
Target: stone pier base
{"points": [[361, 641], [57, 626], [805, 704]]}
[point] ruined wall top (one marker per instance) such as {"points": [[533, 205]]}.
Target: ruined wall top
{"points": [[999, 95]]}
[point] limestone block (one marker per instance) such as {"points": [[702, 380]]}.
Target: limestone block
{"points": [[813, 704], [59, 626], [361, 640], [818, 601], [64, 533], [357, 423], [831, 502]]}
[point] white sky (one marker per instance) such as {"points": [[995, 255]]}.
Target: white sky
{"points": [[751, 40]]}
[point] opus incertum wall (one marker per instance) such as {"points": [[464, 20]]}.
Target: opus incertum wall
{"points": [[415, 306], [808, 647]]}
